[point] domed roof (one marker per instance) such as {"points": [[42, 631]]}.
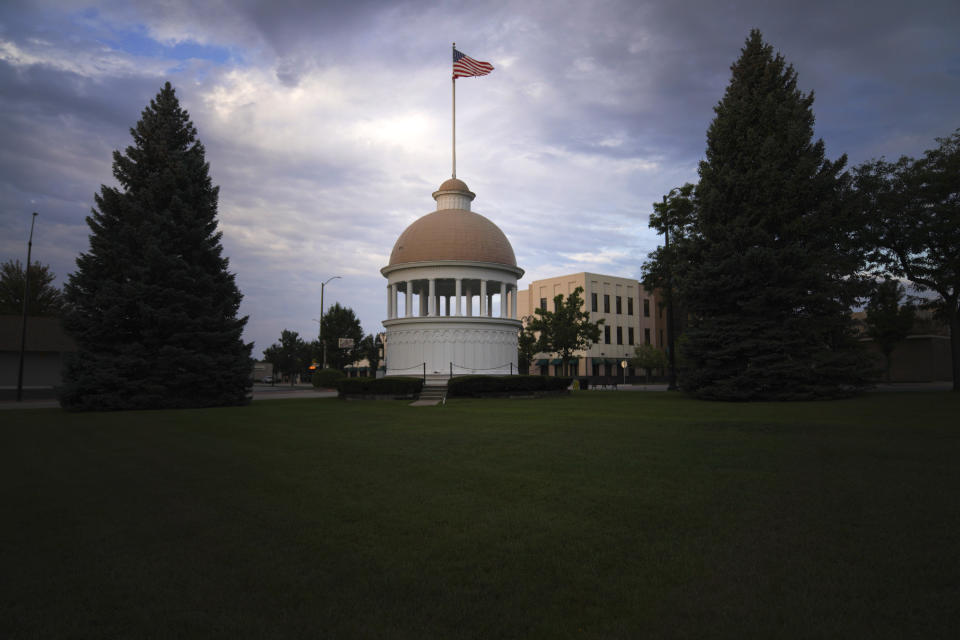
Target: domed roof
{"points": [[453, 234]]}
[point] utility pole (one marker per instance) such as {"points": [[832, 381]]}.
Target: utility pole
{"points": [[26, 297]]}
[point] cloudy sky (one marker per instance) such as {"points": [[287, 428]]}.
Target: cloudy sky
{"points": [[327, 124]]}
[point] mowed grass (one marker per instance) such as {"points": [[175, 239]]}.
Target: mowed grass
{"points": [[600, 515]]}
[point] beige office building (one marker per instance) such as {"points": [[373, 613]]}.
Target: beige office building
{"points": [[631, 314]]}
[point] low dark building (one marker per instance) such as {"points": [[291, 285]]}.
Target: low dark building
{"points": [[46, 347]]}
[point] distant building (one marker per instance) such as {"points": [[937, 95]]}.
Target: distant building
{"points": [[47, 347], [923, 356], [261, 371], [631, 313]]}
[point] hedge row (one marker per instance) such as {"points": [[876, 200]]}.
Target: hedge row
{"points": [[482, 385], [327, 378], [393, 386]]}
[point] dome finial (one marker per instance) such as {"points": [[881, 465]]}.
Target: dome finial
{"points": [[453, 194]]}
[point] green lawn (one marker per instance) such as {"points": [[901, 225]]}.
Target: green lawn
{"points": [[600, 515]]}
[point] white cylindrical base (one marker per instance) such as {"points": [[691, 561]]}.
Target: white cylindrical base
{"points": [[481, 346]]}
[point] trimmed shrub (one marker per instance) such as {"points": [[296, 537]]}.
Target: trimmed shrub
{"points": [[505, 385], [392, 386], [327, 378]]}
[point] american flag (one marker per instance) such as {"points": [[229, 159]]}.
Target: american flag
{"points": [[464, 66]]}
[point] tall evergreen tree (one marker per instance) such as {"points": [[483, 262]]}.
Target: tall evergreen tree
{"points": [[152, 305], [771, 291]]}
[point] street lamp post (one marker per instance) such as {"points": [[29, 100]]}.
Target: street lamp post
{"points": [[23, 324], [672, 379], [320, 333]]}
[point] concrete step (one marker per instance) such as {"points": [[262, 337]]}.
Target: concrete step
{"points": [[436, 380]]}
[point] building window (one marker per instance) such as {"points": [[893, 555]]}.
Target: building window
{"points": [[646, 309], [619, 335], [629, 335], [629, 306], [619, 304], [543, 303], [661, 338], [606, 303], [593, 302], [646, 336], [556, 304], [606, 335]]}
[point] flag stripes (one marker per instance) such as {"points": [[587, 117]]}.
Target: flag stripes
{"points": [[464, 66]]}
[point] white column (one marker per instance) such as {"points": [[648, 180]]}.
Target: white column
{"points": [[432, 309], [389, 302], [514, 295], [408, 309], [469, 301], [503, 299], [457, 286], [483, 298], [446, 303], [424, 303]]}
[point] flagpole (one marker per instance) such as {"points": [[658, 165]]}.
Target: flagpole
{"points": [[453, 81]]}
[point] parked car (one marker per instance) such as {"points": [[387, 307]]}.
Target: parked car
{"points": [[267, 380]]}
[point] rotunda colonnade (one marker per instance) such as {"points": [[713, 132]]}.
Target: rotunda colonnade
{"points": [[446, 295]]}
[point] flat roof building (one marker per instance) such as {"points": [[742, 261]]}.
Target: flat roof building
{"points": [[631, 314]]}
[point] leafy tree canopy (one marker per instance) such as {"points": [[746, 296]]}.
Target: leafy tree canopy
{"points": [[648, 357], [911, 210], [887, 321], [45, 299], [341, 322], [526, 349], [290, 356], [370, 349]]}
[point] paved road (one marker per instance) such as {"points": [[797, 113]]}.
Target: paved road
{"points": [[260, 392]]}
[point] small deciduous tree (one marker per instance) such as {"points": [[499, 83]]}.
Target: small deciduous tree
{"points": [[290, 356], [526, 349], [370, 349], [45, 299], [666, 268], [566, 329], [341, 322], [648, 358], [888, 322]]}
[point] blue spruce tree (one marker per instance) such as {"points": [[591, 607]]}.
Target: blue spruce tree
{"points": [[152, 306], [777, 252]]}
